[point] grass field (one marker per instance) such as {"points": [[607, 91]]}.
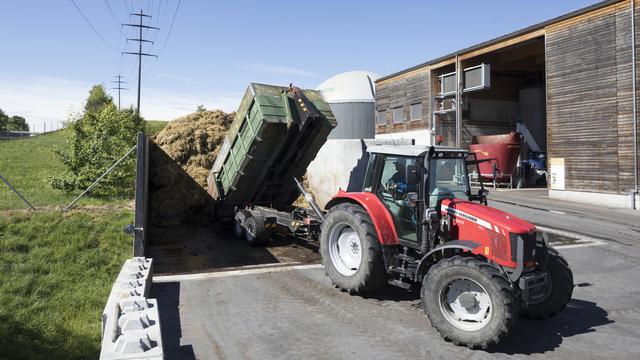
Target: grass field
{"points": [[57, 271], [56, 268], [29, 163], [154, 126]]}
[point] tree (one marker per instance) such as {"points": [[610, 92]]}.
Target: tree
{"points": [[4, 120], [97, 99], [17, 123], [97, 138], [201, 109]]}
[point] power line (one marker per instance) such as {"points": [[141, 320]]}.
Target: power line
{"points": [[170, 27], [140, 54], [116, 22], [93, 28]]}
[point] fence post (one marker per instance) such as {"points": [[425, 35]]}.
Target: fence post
{"points": [[142, 198]]}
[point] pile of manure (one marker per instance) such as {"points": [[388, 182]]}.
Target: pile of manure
{"points": [[194, 140]]}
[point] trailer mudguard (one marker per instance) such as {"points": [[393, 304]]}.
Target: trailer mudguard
{"points": [[379, 214], [465, 245]]}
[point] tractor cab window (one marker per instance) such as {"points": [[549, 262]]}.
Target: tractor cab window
{"points": [[448, 180], [398, 190]]}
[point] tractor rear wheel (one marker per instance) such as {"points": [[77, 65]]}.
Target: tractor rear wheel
{"points": [[559, 292], [469, 301], [351, 251]]}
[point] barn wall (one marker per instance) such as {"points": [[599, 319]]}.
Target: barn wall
{"points": [[589, 115], [404, 90]]}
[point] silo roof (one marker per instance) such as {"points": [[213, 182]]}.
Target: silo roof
{"points": [[350, 86]]}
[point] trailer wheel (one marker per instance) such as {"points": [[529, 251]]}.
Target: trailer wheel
{"points": [[350, 250], [469, 301], [559, 292], [254, 231], [238, 223]]}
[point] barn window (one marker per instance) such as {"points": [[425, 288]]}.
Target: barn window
{"points": [[416, 111], [398, 115], [381, 118]]}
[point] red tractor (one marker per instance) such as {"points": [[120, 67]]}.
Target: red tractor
{"points": [[418, 223]]}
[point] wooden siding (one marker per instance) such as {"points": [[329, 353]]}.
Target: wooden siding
{"points": [[411, 88], [589, 116]]}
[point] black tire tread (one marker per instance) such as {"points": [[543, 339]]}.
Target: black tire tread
{"points": [[376, 276], [498, 278], [261, 235], [549, 309]]}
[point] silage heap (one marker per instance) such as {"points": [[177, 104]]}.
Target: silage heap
{"points": [[193, 141], [180, 160]]}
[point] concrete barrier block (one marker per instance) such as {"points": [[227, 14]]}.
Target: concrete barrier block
{"points": [[130, 321], [135, 333]]}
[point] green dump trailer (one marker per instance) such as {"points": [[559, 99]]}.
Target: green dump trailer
{"points": [[276, 133]]}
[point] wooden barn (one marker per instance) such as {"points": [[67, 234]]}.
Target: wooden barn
{"points": [[567, 84]]}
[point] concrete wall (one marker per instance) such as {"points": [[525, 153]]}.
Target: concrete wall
{"points": [[341, 164], [421, 137], [596, 198]]}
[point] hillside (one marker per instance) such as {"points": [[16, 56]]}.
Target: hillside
{"points": [[29, 163], [58, 268]]}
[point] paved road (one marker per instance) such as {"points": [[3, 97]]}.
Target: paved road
{"points": [[253, 314]]}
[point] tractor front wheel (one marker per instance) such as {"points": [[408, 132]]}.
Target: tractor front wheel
{"points": [[559, 290], [350, 250], [469, 301]]}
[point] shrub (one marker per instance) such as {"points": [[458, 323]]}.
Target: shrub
{"points": [[97, 138]]}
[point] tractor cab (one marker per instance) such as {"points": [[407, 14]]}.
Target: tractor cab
{"points": [[412, 181]]}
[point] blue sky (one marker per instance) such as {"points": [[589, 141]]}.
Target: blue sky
{"points": [[50, 57]]}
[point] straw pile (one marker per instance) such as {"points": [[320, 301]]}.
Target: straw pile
{"points": [[193, 141]]}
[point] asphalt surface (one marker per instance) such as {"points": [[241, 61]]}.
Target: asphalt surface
{"points": [[251, 312]]}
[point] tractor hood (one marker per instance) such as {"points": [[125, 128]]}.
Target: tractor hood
{"points": [[485, 216]]}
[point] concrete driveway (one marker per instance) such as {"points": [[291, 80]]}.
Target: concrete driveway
{"points": [[291, 311]]}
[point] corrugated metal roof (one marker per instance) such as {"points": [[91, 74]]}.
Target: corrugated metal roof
{"points": [[504, 37]]}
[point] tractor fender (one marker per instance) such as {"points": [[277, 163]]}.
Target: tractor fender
{"points": [[381, 217], [426, 261]]}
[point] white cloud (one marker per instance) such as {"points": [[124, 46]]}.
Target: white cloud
{"points": [[49, 99], [179, 78], [163, 105], [42, 99], [275, 69]]}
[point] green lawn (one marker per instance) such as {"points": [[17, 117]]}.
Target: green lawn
{"points": [[154, 126], [57, 272], [56, 269]]}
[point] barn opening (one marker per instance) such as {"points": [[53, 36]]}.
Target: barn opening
{"points": [[502, 91]]}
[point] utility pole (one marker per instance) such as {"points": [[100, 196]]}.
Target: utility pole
{"points": [[140, 54], [119, 87]]}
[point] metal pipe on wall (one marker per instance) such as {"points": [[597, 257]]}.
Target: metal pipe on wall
{"points": [[635, 105], [458, 103]]}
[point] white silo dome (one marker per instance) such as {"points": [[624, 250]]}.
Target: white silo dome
{"points": [[350, 86]]}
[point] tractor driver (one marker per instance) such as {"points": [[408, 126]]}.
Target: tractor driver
{"points": [[397, 183]]}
